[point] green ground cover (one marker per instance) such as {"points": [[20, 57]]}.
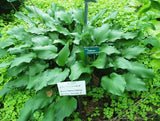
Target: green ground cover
{"points": [[135, 105]]}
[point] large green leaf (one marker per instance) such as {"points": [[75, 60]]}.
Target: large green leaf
{"points": [[49, 77], [78, 68], [64, 107], [115, 35], [6, 43], [26, 58], [73, 55], [63, 55], [141, 71], [44, 18], [36, 30], [108, 49], [61, 30], [19, 49], [40, 101], [59, 76], [16, 70], [37, 67], [20, 16], [49, 114], [115, 84], [129, 35], [134, 83], [20, 34], [3, 52], [41, 40], [100, 34], [132, 52], [20, 82], [153, 41], [122, 63], [78, 16], [100, 62], [64, 16], [46, 52]]}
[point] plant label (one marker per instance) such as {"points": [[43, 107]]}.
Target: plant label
{"points": [[91, 50], [72, 88]]}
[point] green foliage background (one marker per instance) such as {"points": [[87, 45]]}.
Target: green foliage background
{"points": [[148, 102]]}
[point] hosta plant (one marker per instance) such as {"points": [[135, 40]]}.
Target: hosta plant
{"points": [[50, 49]]}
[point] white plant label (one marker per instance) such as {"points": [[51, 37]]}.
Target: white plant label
{"points": [[72, 88]]}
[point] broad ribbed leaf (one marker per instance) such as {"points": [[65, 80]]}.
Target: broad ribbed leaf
{"points": [[100, 62], [64, 107], [100, 34], [58, 76], [141, 71], [132, 52], [16, 70], [122, 63], [40, 101], [61, 109], [72, 58], [20, 34], [49, 114], [20, 49], [20, 82], [115, 35], [63, 55], [78, 16], [63, 42], [44, 18], [134, 83], [77, 38], [6, 43], [37, 67], [78, 68], [46, 52], [153, 41], [129, 35], [41, 40], [20, 16], [26, 58], [108, 50], [115, 84], [49, 77], [64, 16], [3, 52], [35, 30], [61, 30]]}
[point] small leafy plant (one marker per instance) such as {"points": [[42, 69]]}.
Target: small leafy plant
{"points": [[51, 50]]}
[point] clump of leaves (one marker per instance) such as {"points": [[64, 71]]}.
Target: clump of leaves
{"points": [[51, 50]]}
